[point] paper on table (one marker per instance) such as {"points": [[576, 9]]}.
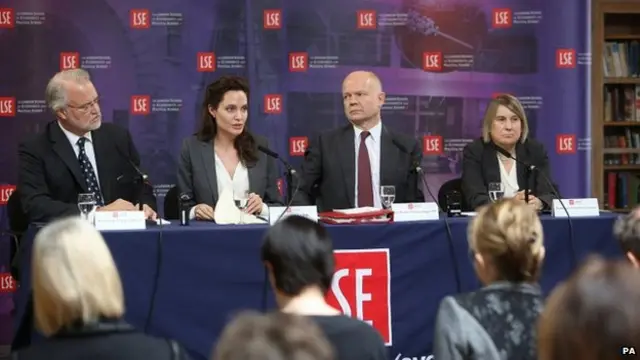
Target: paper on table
{"points": [[359, 210], [227, 213]]}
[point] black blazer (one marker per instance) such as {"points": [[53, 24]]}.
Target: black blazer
{"points": [[480, 167], [113, 339], [49, 176], [198, 179], [328, 170]]}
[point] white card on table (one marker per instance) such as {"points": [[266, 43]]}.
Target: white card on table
{"points": [[120, 220], [310, 212], [575, 207], [415, 212]]}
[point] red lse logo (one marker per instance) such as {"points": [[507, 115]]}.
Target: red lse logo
{"points": [[298, 62], [139, 19], [273, 104], [7, 106], [502, 18], [140, 105], [272, 19], [361, 288], [280, 184], [432, 145], [5, 193], [566, 144], [7, 19], [298, 145], [206, 62], [566, 58], [432, 61], [7, 283], [366, 20], [69, 60]]}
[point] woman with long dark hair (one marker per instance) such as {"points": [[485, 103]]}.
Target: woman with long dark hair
{"points": [[223, 155]]}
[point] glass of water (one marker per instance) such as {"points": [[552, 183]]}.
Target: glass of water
{"points": [[496, 191], [387, 195], [241, 198], [86, 204]]}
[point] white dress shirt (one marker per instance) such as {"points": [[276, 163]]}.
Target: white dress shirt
{"points": [[239, 183], [373, 148], [88, 148], [509, 179]]}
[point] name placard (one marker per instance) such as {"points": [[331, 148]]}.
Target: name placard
{"points": [[310, 212], [575, 207], [120, 220], [415, 212]]}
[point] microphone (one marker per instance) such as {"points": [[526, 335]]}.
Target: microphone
{"points": [[142, 177], [290, 170], [144, 180], [290, 195], [554, 191], [418, 170]]}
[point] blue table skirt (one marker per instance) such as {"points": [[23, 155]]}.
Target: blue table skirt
{"points": [[210, 272]]}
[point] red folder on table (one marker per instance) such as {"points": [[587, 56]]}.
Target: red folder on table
{"points": [[355, 216]]}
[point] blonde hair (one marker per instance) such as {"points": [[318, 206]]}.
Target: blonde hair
{"points": [[74, 276], [509, 234], [55, 93], [511, 103]]}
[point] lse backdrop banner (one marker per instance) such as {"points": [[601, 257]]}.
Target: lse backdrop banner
{"points": [[440, 63]]}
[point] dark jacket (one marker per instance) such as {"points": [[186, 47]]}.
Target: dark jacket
{"points": [[480, 167], [50, 179], [328, 171], [106, 340]]}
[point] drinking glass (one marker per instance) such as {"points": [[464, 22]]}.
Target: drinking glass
{"points": [[496, 191], [387, 195], [86, 204], [241, 198]]}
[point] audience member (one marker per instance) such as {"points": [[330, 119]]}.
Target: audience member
{"points": [[593, 315], [497, 321], [627, 231], [298, 254], [275, 336], [79, 303]]}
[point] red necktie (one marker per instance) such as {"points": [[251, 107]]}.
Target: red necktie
{"points": [[365, 188]]}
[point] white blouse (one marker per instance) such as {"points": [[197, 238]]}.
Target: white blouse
{"points": [[509, 179], [239, 183]]}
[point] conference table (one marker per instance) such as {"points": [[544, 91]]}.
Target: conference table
{"points": [[205, 273]]}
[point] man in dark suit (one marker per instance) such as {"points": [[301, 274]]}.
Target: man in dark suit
{"points": [[77, 153], [345, 167]]}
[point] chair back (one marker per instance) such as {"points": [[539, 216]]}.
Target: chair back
{"points": [[172, 204], [18, 219], [449, 187]]}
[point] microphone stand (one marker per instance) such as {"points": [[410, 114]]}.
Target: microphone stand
{"points": [[527, 181], [141, 181], [289, 179]]}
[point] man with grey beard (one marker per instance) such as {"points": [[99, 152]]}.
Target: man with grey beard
{"points": [[76, 154]]}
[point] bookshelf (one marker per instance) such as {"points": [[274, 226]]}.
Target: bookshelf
{"points": [[615, 112]]}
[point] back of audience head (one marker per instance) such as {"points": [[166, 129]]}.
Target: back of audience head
{"points": [[299, 254], [275, 336], [506, 240], [75, 280], [627, 231], [593, 314]]}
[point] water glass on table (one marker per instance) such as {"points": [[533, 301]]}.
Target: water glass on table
{"points": [[387, 195], [241, 198], [496, 191], [86, 204]]}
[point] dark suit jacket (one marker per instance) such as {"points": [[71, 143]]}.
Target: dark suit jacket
{"points": [[50, 179], [328, 173], [197, 174], [109, 340], [480, 167]]}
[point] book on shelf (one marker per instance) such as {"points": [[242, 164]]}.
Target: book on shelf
{"points": [[621, 59], [622, 190], [629, 140]]}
